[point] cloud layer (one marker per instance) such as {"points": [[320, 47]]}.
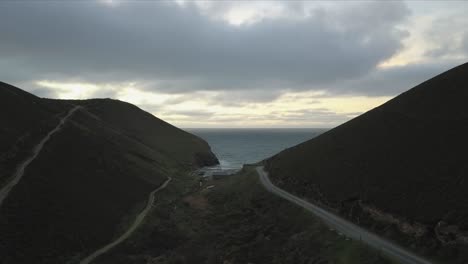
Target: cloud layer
{"points": [[227, 53], [178, 48]]}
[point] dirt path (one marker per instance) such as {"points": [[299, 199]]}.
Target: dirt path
{"points": [[37, 149], [130, 230]]}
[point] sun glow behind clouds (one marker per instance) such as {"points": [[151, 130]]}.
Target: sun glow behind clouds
{"points": [[69, 90], [111, 3], [139, 97], [129, 92], [238, 13], [245, 15]]}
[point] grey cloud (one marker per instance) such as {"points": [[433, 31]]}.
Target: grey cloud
{"points": [[180, 99], [395, 80], [44, 92], [312, 118], [241, 98], [152, 108], [464, 42], [308, 116], [174, 49], [194, 113], [449, 33], [315, 115]]}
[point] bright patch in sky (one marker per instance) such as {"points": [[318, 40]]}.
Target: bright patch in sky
{"points": [[70, 90], [232, 63], [293, 109]]}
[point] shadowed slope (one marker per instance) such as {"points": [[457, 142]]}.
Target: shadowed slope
{"points": [[25, 119], [89, 178], [402, 164]]}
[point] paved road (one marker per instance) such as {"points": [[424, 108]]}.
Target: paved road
{"points": [[341, 225], [130, 230], [37, 149]]}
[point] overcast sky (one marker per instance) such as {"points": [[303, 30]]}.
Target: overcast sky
{"points": [[232, 64]]}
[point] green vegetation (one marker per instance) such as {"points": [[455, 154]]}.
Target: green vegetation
{"points": [[236, 221]]}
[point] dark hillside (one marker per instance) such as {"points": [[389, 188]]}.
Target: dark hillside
{"points": [[25, 119], [143, 127], [89, 180], [401, 166]]}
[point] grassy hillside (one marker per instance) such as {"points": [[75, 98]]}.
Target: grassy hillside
{"points": [[400, 168], [89, 179], [235, 221]]}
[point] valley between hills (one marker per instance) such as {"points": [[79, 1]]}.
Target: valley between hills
{"points": [[77, 175]]}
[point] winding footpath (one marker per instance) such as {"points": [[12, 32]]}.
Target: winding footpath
{"points": [[37, 149], [139, 219], [343, 226]]}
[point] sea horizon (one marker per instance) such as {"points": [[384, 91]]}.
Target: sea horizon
{"points": [[235, 147]]}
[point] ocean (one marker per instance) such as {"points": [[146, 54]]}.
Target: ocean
{"points": [[235, 147]]}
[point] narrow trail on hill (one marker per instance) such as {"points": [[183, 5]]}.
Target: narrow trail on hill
{"points": [[139, 219], [37, 149], [344, 226]]}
